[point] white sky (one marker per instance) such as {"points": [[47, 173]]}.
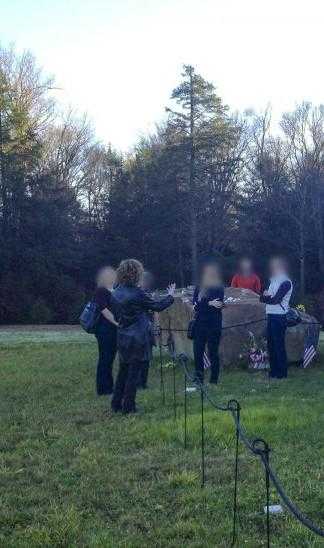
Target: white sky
{"points": [[118, 60]]}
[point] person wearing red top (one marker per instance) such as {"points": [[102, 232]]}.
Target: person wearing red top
{"points": [[246, 278]]}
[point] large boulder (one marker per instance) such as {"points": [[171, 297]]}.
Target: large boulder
{"points": [[242, 307]]}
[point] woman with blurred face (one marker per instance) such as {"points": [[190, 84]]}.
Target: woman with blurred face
{"points": [[277, 298], [208, 301], [246, 277], [106, 330]]}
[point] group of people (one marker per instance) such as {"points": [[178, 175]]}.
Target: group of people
{"points": [[128, 312], [125, 325]]}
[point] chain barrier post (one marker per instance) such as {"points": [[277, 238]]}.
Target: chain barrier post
{"points": [[202, 437], [162, 389], [266, 453], [171, 347], [235, 408], [185, 411], [174, 390]]}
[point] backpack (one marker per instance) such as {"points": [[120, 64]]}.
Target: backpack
{"points": [[90, 317]]}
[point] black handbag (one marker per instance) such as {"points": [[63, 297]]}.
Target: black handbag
{"points": [[90, 317]]}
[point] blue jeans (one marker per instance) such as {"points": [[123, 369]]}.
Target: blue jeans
{"points": [[276, 331]]}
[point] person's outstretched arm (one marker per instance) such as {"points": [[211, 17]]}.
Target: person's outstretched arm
{"points": [[157, 305]]}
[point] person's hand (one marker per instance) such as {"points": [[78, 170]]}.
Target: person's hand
{"points": [[171, 289], [266, 293], [216, 303]]}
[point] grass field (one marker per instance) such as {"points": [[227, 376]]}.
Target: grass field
{"points": [[72, 475]]}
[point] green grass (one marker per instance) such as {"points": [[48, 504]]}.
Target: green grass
{"points": [[72, 475]]}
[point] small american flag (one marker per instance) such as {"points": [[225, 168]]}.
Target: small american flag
{"points": [[206, 361], [310, 345]]}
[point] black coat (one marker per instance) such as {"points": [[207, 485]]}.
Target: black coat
{"points": [[205, 315], [131, 306]]}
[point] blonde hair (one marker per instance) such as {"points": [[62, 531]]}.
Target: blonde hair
{"points": [[129, 272]]}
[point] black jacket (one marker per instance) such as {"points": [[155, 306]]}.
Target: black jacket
{"points": [[206, 315], [131, 306]]}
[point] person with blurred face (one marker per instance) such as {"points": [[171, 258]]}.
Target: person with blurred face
{"points": [[106, 330], [208, 301], [246, 277], [277, 298]]}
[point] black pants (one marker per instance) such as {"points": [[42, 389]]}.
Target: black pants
{"points": [[107, 347], [276, 331], [210, 337], [143, 375], [126, 387]]}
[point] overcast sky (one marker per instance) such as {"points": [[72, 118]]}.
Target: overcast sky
{"points": [[118, 60]]}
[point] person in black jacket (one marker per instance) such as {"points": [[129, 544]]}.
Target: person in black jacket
{"points": [[208, 301], [134, 342], [106, 330]]}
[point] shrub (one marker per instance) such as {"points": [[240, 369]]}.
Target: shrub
{"points": [[40, 312]]}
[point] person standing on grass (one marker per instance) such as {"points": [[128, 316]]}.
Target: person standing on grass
{"points": [[208, 301], [134, 341], [106, 330], [246, 277], [277, 298], [147, 285]]}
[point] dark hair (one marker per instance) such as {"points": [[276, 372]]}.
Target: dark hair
{"points": [[129, 272]]}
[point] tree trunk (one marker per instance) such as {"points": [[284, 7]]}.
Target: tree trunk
{"points": [[193, 216], [320, 238], [180, 260], [302, 263]]}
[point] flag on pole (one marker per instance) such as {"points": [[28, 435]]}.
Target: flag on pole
{"points": [[310, 345]]}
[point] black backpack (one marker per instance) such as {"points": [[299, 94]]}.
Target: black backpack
{"points": [[90, 317]]}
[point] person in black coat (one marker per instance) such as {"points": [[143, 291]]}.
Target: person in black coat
{"points": [[208, 301], [106, 330], [134, 337]]}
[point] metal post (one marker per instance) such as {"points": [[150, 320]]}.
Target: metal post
{"points": [[162, 390], [267, 450], [174, 391], [185, 411], [202, 438], [235, 407]]}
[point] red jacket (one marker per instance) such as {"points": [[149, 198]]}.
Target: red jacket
{"points": [[247, 282]]}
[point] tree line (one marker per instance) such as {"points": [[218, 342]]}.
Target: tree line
{"points": [[207, 182]]}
